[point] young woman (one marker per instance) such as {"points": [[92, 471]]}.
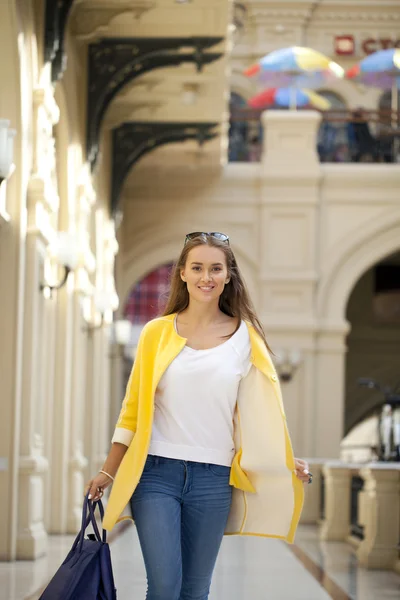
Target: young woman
{"points": [[201, 447]]}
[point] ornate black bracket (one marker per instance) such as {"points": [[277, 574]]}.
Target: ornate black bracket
{"points": [[133, 140], [114, 62], [57, 12]]}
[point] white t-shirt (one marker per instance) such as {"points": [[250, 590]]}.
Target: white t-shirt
{"points": [[196, 399]]}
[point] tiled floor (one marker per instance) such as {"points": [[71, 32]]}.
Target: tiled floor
{"points": [[339, 563], [247, 569]]}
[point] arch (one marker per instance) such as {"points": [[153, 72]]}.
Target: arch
{"points": [[377, 239], [146, 256]]}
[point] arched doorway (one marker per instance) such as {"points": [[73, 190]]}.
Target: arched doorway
{"points": [[373, 343], [370, 245]]}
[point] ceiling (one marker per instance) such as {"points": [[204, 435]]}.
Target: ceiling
{"points": [[178, 92]]}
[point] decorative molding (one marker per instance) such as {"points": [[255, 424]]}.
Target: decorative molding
{"points": [[114, 62], [286, 16], [56, 17], [33, 465], [89, 22], [42, 194], [266, 15], [370, 17], [133, 140]]}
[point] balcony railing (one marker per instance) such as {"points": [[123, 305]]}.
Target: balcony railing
{"points": [[343, 137]]}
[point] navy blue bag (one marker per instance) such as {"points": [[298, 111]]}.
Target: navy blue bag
{"points": [[86, 573]]}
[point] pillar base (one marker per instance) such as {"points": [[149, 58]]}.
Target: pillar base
{"points": [[32, 544]]}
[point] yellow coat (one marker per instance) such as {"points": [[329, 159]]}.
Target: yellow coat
{"points": [[267, 496]]}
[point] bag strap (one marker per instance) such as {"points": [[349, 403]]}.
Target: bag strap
{"points": [[92, 509], [87, 519]]}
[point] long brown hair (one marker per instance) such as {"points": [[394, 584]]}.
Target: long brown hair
{"points": [[234, 300]]}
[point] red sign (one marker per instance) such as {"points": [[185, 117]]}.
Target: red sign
{"points": [[345, 45]]}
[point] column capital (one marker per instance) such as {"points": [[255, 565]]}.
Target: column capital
{"points": [[290, 144]]}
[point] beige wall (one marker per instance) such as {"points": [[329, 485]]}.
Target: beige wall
{"points": [[44, 344]]}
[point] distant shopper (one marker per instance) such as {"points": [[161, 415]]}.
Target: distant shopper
{"points": [[201, 447], [366, 146]]}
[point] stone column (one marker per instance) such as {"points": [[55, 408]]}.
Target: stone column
{"points": [[380, 516], [288, 230], [329, 389], [77, 460], [17, 109], [336, 524], [42, 204], [31, 536]]}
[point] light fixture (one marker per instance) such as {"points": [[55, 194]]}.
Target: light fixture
{"points": [[65, 250], [6, 149], [122, 332], [105, 301], [287, 362]]}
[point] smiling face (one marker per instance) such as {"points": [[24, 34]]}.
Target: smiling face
{"points": [[205, 273]]}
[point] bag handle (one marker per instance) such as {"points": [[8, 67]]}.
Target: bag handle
{"points": [[88, 519], [92, 508]]}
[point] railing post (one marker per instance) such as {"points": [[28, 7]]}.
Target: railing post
{"points": [[336, 523], [380, 516]]}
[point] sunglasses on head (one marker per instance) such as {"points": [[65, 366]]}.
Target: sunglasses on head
{"points": [[222, 237]]}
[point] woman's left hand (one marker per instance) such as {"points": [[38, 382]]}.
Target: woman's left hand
{"points": [[301, 469]]}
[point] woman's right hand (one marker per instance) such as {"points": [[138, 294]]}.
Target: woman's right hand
{"points": [[96, 486]]}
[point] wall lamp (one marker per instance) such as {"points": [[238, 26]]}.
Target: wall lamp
{"points": [[121, 337], [65, 249], [287, 362], [6, 149], [122, 332], [104, 301]]}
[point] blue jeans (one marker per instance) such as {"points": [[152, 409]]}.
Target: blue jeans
{"points": [[180, 509]]}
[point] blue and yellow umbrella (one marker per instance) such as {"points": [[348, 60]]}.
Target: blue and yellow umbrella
{"points": [[295, 67]]}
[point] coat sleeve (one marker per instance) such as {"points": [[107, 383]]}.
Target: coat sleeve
{"points": [[127, 421]]}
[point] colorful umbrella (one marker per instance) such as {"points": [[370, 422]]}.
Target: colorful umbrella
{"points": [[284, 97], [380, 69], [295, 67]]}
